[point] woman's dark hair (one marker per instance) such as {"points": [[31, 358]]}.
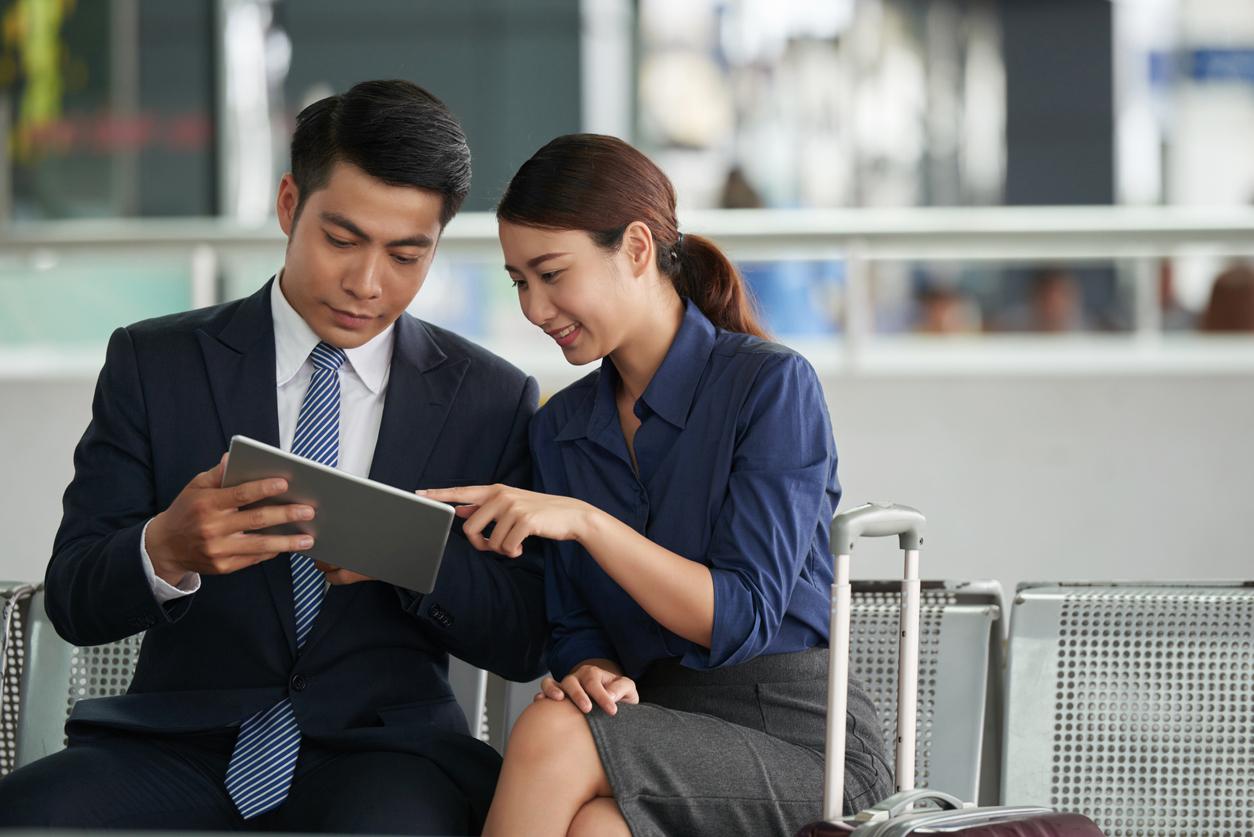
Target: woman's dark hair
{"points": [[601, 185], [394, 131]]}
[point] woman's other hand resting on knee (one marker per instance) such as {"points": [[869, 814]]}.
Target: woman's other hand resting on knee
{"points": [[599, 681]]}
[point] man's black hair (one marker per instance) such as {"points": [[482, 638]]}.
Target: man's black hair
{"points": [[394, 131]]}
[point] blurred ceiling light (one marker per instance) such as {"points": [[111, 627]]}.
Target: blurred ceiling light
{"points": [[759, 30], [677, 22], [687, 99]]}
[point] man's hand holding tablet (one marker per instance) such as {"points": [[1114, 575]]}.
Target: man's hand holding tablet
{"points": [[362, 529], [206, 529]]}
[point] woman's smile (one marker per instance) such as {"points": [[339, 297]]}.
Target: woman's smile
{"points": [[567, 335]]}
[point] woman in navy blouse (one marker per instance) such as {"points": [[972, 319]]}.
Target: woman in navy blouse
{"points": [[685, 490]]}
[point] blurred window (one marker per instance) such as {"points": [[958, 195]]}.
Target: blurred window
{"points": [[109, 107]]}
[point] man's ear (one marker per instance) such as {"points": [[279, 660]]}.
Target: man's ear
{"points": [[286, 203], [637, 246]]}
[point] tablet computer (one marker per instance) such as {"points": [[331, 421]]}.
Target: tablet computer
{"points": [[359, 524]]}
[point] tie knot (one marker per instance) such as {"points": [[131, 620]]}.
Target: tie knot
{"points": [[326, 356]]}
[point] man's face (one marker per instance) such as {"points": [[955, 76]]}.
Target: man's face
{"points": [[358, 254]]}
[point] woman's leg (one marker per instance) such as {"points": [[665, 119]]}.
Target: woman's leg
{"points": [[552, 771]]}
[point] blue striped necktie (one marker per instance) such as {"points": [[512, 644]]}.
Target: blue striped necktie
{"points": [[260, 772]]}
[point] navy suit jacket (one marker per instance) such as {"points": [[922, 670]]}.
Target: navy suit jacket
{"points": [[372, 674]]}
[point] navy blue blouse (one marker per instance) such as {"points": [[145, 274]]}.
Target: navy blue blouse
{"points": [[737, 470]]}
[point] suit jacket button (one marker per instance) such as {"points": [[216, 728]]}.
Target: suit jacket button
{"points": [[298, 683]]}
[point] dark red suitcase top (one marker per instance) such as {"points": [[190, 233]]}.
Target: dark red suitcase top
{"points": [[1048, 825], [1040, 825]]}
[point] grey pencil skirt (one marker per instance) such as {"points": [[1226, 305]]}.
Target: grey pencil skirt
{"points": [[735, 750]]}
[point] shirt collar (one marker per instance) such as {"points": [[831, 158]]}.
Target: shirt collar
{"points": [[294, 340], [669, 393]]}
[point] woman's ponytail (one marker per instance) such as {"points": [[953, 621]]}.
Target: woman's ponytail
{"points": [[707, 277]]}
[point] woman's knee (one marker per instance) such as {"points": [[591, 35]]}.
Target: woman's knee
{"points": [[552, 730]]}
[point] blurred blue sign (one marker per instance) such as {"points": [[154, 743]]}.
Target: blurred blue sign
{"points": [[1203, 65]]}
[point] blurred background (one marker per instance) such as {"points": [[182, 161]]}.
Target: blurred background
{"points": [[1015, 238]]}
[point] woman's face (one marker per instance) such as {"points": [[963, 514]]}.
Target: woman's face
{"points": [[580, 295]]}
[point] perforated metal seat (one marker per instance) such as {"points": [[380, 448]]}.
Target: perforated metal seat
{"points": [[56, 675], [14, 606], [506, 702], [1134, 704], [470, 686], [959, 701]]}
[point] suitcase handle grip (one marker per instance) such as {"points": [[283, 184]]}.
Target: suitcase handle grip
{"points": [[900, 803], [877, 520]]}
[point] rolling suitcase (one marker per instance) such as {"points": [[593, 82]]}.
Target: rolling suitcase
{"points": [[900, 814]]}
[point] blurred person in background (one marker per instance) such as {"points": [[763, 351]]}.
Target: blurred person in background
{"points": [[944, 308], [738, 192], [689, 487], [1231, 305], [271, 693], [1055, 305]]}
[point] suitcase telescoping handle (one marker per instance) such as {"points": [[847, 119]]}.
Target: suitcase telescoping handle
{"points": [[872, 520]]}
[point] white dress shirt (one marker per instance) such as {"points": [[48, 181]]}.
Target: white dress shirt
{"points": [[363, 386]]}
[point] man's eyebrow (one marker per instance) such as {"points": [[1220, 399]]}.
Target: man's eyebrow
{"points": [[340, 221], [537, 260], [409, 241]]}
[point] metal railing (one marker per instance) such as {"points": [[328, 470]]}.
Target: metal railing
{"points": [[1135, 238]]}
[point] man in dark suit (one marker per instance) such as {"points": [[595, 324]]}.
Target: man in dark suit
{"points": [[270, 694]]}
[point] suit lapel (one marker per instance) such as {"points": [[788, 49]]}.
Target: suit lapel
{"points": [[240, 364], [422, 384], [241, 368], [421, 388]]}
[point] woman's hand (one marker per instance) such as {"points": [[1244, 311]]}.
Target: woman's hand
{"points": [[592, 680], [340, 576], [515, 514]]}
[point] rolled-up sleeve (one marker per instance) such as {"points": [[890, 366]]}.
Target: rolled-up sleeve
{"points": [[782, 467]]}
